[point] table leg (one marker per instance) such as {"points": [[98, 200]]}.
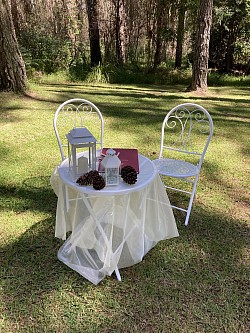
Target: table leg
{"points": [[118, 274]]}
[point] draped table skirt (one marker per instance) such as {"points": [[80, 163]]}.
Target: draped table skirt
{"points": [[114, 227]]}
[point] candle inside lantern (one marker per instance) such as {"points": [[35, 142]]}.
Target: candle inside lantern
{"points": [[82, 164]]}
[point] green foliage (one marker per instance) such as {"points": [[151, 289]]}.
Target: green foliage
{"points": [[128, 74], [217, 79], [53, 78], [97, 74], [230, 33], [44, 53], [79, 70], [116, 75]]}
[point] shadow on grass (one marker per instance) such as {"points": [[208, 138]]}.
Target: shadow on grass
{"points": [[33, 194], [148, 107], [194, 283], [69, 91]]}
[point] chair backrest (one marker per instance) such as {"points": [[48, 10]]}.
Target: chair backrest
{"points": [[186, 133], [77, 112]]}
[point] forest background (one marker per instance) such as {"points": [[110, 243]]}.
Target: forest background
{"points": [[126, 41]]}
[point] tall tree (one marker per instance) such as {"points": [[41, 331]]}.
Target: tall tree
{"points": [[180, 33], [239, 11], [201, 46], [120, 31], [160, 15], [12, 68], [94, 36]]}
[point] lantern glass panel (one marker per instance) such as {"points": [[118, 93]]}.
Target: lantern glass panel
{"points": [[112, 176], [81, 138]]}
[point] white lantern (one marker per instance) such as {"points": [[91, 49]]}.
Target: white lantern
{"points": [[111, 165], [81, 138]]}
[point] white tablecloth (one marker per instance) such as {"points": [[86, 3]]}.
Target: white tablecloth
{"points": [[114, 227]]}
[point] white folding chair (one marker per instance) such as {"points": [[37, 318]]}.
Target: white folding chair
{"points": [[186, 133], [77, 112]]}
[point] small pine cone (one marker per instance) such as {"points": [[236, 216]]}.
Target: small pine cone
{"points": [[126, 169], [98, 183], [84, 180], [129, 175], [93, 174], [130, 178]]}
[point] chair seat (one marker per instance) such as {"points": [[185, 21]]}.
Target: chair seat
{"points": [[175, 168]]}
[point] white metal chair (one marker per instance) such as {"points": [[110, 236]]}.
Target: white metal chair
{"points": [[186, 133], [77, 112]]}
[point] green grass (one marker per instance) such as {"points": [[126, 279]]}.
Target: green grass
{"points": [[197, 282]]}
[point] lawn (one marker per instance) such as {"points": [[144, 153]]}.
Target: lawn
{"points": [[198, 282]]}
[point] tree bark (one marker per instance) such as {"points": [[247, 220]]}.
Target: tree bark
{"points": [[180, 34], [120, 32], [159, 26], [201, 46], [12, 68], [94, 36]]}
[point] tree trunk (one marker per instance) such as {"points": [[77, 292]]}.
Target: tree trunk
{"points": [[180, 35], [229, 57], [201, 46], [159, 27], [15, 17], [158, 51], [120, 32], [94, 36], [12, 68]]}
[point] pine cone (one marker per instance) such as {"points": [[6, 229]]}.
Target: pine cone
{"points": [[98, 183], [93, 174], [126, 169], [129, 175], [84, 180], [87, 178]]}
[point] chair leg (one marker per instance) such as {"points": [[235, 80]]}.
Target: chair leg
{"points": [[188, 213], [191, 202]]}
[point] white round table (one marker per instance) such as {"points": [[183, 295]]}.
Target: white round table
{"points": [[146, 175], [114, 227]]}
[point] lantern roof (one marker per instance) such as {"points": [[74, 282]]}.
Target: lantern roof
{"points": [[80, 135]]}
